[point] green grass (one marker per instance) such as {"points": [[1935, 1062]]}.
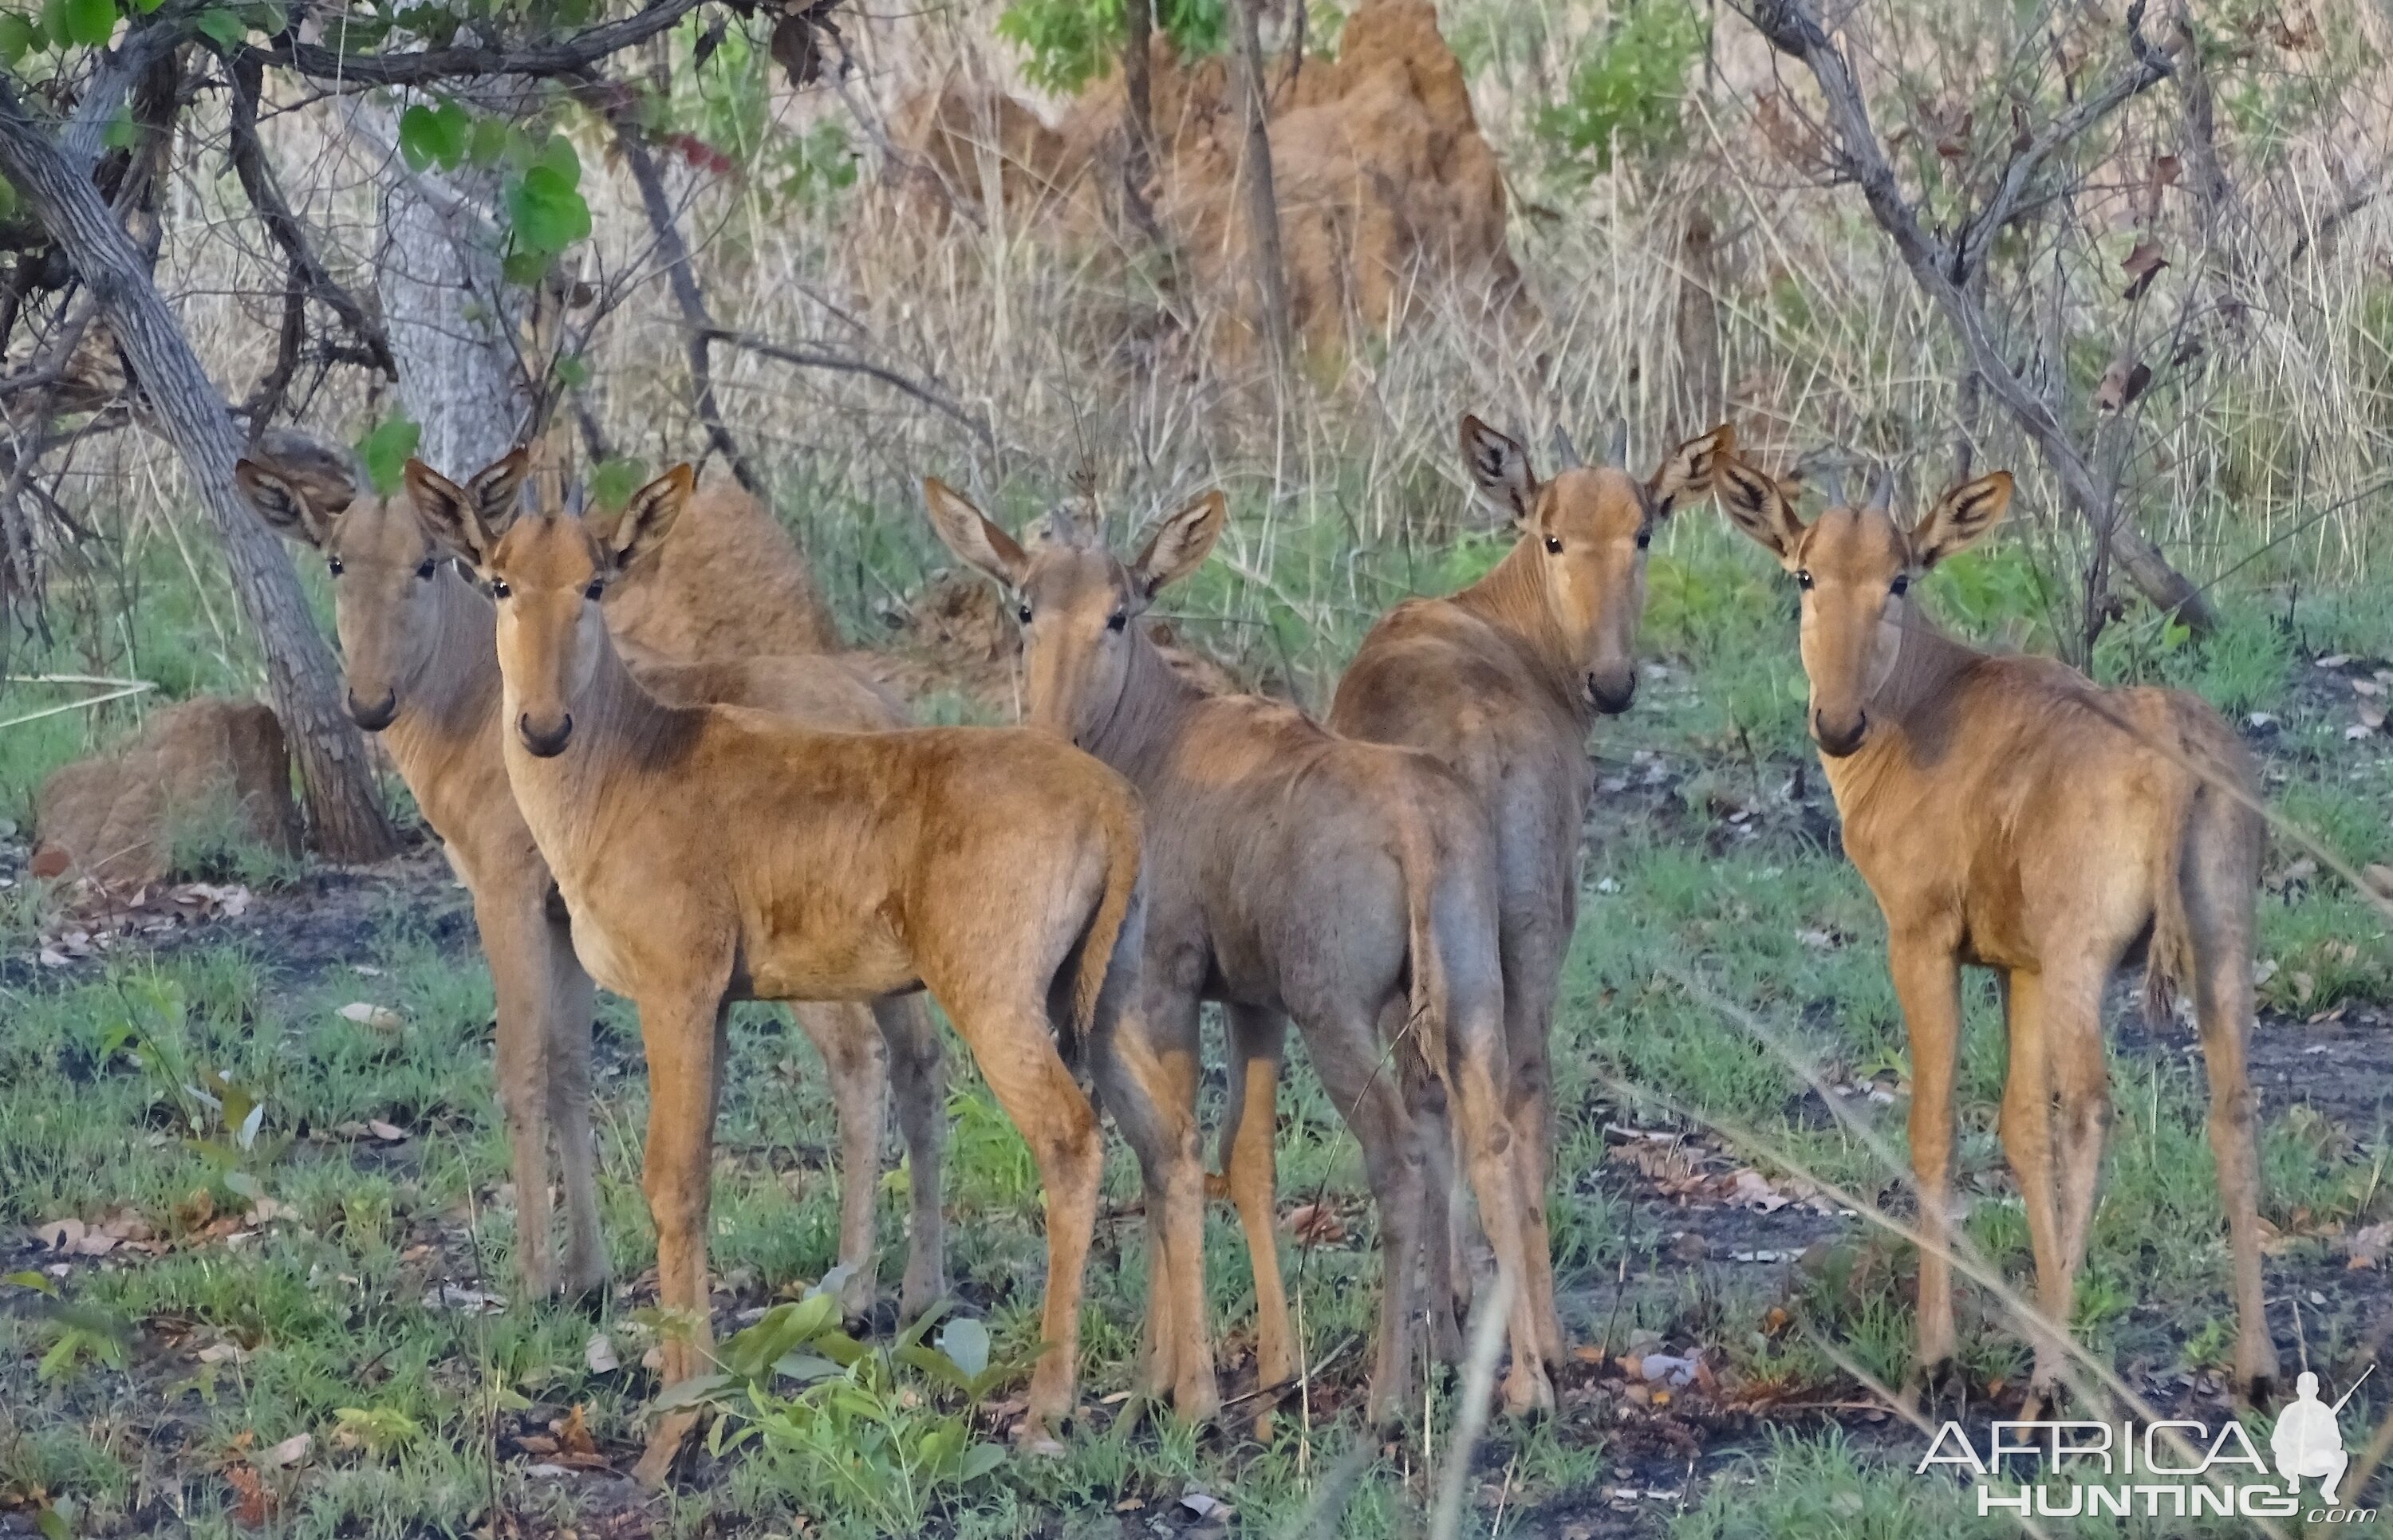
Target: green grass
{"points": [[1712, 972]]}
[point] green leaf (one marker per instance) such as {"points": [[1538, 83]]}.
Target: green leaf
{"points": [[524, 267], [979, 1461], [548, 213], [146, 6], [34, 1281], [614, 481], [18, 38], [224, 29], [490, 143], [89, 22], [965, 1341], [8, 199], [56, 1520], [557, 155], [435, 136], [573, 370], [385, 452]]}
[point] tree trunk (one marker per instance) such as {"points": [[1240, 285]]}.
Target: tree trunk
{"points": [[445, 307], [1138, 112], [345, 809], [1263, 200]]}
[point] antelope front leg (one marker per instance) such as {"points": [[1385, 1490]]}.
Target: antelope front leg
{"points": [[1478, 1079], [849, 1041], [683, 1036], [572, 1007], [516, 938], [1927, 984], [918, 1077]]}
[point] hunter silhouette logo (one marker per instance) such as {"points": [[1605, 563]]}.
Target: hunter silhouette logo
{"points": [[2307, 1441]]}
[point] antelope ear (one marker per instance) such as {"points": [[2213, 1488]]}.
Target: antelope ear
{"points": [[1180, 543], [495, 487], [451, 515], [1758, 506], [275, 493], [648, 518], [1961, 518], [968, 532], [1499, 468], [1687, 473]]}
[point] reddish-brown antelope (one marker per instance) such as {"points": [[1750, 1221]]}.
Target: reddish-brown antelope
{"points": [[1500, 682], [709, 854], [2010, 814], [1290, 872], [422, 668]]}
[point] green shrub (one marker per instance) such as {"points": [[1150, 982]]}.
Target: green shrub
{"points": [[1623, 96]]}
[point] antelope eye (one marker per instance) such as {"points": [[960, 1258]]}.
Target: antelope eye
{"points": [[333, 565], [1901, 585], [1023, 614], [497, 588], [1644, 538], [431, 565], [1803, 580], [597, 587], [1117, 619], [1554, 544]]}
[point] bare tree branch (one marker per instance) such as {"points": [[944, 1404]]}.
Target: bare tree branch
{"points": [[265, 194], [804, 358], [665, 224], [428, 66], [1789, 27]]}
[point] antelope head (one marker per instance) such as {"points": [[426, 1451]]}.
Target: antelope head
{"points": [[1856, 567], [1592, 526], [1074, 600], [385, 563], [547, 570]]}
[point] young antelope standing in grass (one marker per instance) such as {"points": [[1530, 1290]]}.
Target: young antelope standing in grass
{"points": [[1290, 872], [1501, 682], [709, 854], [421, 662], [2010, 814]]}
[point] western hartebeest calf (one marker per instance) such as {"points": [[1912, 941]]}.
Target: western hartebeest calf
{"points": [[1290, 872], [1500, 681], [2010, 814], [709, 854], [422, 667]]}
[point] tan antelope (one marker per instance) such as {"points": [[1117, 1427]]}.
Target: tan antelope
{"points": [[422, 667], [1290, 872], [1502, 682], [2010, 814], [709, 854]]}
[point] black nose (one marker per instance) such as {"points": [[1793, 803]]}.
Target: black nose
{"points": [[1837, 743], [373, 718], [545, 742], [1611, 697]]}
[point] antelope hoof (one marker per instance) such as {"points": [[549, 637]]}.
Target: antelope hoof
{"points": [[1444, 1335], [1198, 1398], [665, 1447], [1935, 1387], [589, 1299], [1527, 1391], [1031, 1437]]}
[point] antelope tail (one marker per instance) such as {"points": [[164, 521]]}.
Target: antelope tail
{"points": [[1122, 845], [1418, 852], [2169, 961]]}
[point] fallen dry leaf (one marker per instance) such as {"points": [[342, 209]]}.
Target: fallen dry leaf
{"points": [[257, 1504], [1316, 1224], [389, 1133], [290, 1452], [2141, 266], [2367, 1244], [381, 1018]]}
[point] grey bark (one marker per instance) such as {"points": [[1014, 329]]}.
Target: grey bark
{"points": [[345, 809]]}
